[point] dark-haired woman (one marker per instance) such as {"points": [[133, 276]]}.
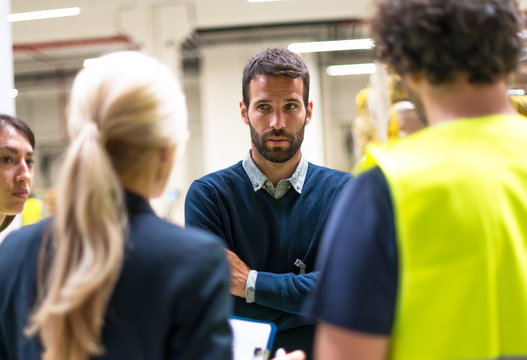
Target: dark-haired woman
{"points": [[17, 144]]}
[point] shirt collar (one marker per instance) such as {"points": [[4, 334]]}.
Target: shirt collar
{"points": [[258, 179]]}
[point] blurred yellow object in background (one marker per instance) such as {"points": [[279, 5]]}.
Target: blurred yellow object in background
{"points": [[33, 211], [520, 103]]}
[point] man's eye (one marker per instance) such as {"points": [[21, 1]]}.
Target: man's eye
{"points": [[30, 162], [290, 106], [263, 107], [6, 159]]}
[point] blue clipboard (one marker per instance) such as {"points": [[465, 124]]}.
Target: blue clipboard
{"points": [[252, 339]]}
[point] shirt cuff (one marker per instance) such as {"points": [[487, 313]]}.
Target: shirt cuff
{"points": [[250, 286]]}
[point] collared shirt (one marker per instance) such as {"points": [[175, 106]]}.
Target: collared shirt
{"points": [[259, 180]]}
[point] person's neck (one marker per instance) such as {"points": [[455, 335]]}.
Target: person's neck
{"points": [[462, 100], [139, 184], [276, 171]]}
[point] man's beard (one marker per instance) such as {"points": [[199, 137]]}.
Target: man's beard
{"points": [[277, 154]]}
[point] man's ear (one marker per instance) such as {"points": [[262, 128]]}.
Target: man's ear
{"points": [[309, 112], [413, 80], [243, 112]]}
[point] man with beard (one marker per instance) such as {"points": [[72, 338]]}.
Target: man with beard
{"points": [[270, 208], [428, 246]]}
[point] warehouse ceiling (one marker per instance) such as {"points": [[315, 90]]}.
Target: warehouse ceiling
{"points": [[45, 48], [220, 13]]}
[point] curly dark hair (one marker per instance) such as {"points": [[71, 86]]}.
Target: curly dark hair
{"points": [[444, 38], [275, 61]]}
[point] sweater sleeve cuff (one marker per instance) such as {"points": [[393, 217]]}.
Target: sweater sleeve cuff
{"points": [[250, 286]]}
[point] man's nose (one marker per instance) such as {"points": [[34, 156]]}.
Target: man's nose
{"points": [[277, 120]]}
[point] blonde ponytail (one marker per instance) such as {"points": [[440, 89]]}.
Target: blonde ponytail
{"points": [[117, 113], [89, 252]]}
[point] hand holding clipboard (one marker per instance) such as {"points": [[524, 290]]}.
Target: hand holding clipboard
{"points": [[252, 339]]}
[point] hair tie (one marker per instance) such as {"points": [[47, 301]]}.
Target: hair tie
{"points": [[89, 130]]}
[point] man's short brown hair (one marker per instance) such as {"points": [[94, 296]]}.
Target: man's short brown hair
{"points": [[275, 61]]}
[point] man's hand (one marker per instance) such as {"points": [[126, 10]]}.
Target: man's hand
{"points": [[239, 273]]}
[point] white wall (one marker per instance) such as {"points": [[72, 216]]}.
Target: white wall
{"points": [[7, 104], [225, 138], [340, 111]]}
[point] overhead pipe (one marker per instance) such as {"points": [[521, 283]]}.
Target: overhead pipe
{"points": [[61, 44]]}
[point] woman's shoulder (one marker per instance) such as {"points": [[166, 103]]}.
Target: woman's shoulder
{"points": [[176, 257], [19, 252], [24, 239], [163, 239]]}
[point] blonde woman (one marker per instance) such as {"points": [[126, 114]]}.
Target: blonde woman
{"points": [[106, 278]]}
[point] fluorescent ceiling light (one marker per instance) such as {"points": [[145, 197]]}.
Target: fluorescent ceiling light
{"points": [[515, 92], [336, 45], [351, 69], [44, 14]]}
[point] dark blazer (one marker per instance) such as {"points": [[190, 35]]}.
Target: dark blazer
{"points": [[171, 300]]}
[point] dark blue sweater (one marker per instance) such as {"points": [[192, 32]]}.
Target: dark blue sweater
{"points": [[171, 300], [268, 234]]}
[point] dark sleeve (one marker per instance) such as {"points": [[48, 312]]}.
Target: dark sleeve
{"points": [[201, 330], [284, 292], [202, 208], [358, 259]]}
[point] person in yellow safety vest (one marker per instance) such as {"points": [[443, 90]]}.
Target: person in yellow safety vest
{"points": [[424, 255]]}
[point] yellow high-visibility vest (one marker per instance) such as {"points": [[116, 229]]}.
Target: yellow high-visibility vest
{"points": [[459, 193]]}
